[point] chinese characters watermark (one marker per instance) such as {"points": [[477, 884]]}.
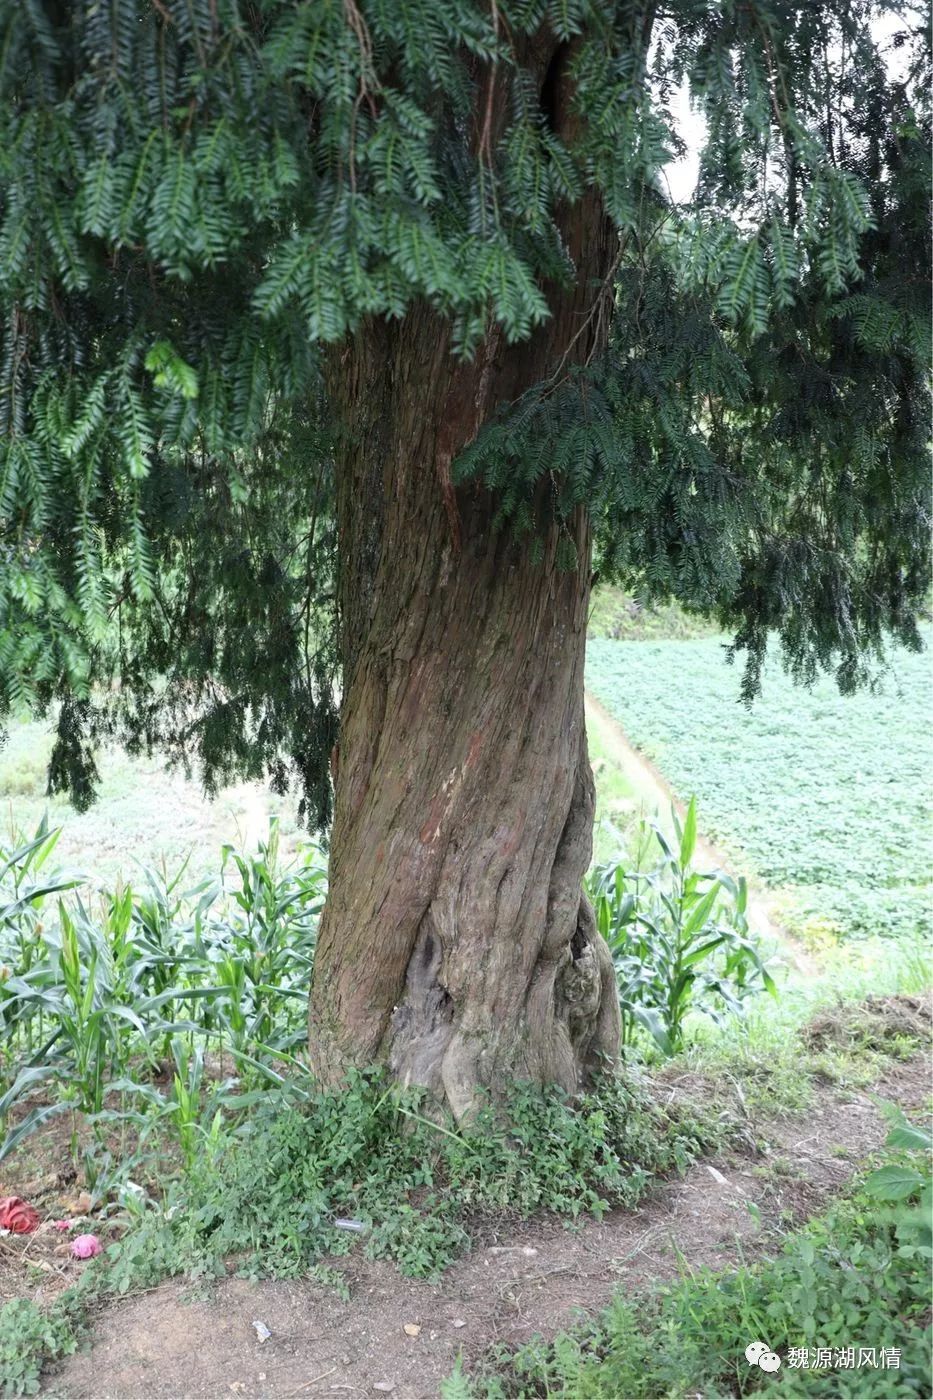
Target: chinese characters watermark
{"points": [[824, 1358], [843, 1358]]}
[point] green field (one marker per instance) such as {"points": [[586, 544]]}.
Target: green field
{"points": [[144, 815], [824, 798]]}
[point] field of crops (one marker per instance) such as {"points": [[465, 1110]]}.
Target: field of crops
{"points": [[824, 798]]}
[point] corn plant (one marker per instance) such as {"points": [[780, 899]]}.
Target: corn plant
{"points": [[98, 996], [679, 938]]}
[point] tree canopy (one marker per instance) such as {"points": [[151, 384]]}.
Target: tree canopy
{"points": [[200, 200]]}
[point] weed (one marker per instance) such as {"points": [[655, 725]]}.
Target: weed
{"points": [[273, 1194], [29, 1339], [907, 1178]]}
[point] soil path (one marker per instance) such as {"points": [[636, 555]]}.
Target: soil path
{"points": [[527, 1278], [647, 778]]}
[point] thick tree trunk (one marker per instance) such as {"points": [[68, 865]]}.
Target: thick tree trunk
{"points": [[457, 945]]}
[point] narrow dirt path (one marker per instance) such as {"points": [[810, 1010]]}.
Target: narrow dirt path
{"points": [[399, 1337], [649, 779]]}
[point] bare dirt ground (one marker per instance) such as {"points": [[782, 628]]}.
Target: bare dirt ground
{"points": [[400, 1337]]}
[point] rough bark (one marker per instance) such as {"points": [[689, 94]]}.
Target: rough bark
{"points": [[457, 945]]}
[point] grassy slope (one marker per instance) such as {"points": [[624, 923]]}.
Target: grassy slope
{"points": [[143, 815], [823, 796]]}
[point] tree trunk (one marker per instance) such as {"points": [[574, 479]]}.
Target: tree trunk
{"points": [[456, 945]]}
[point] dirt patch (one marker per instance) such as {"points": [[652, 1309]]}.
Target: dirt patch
{"points": [[530, 1278], [39, 1265]]}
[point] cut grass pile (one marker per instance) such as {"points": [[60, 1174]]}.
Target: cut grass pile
{"points": [[825, 798]]}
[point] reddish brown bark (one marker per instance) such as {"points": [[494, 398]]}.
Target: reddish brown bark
{"points": [[456, 944]]}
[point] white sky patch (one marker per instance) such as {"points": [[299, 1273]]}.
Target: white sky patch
{"points": [[681, 175]]}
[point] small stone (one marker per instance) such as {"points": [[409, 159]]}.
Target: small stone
{"points": [[384, 1386], [458, 1322], [412, 1329]]}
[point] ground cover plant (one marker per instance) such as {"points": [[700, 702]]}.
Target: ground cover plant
{"points": [[824, 798], [855, 1277]]}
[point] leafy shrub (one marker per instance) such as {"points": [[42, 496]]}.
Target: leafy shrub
{"points": [[907, 1182], [29, 1338], [679, 939], [272, 1195]]}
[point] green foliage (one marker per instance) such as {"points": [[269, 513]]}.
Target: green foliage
{"points": [[95, 1005], [296, 1183], [909, 1178], [842, 1281], [31, 1337], [198, 198], [679, 939], [823, 797]]}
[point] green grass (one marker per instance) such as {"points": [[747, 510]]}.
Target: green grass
{"points": [[822, 797]]}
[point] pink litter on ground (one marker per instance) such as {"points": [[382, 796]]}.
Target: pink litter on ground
{"points": [[62, 1225], [85, 1246], [18, 1216]]}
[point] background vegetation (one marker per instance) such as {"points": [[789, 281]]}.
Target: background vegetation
{"points": [[152, 1018], [823, 798]]}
